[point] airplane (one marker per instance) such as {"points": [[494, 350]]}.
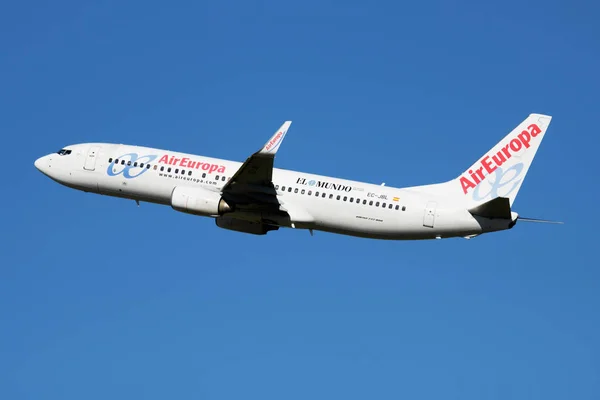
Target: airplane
{"points": [[254, 197]]}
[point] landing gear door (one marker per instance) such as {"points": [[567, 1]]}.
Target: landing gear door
{"points": [[90, 158], [429, 217]]}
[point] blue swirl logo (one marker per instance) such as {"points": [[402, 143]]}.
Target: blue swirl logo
{"points": [[505, 181], [129, 165]]}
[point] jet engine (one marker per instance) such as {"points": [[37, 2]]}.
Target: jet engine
{"points": [[198, 201]]}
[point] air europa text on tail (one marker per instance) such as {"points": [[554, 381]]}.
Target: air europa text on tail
{"points": [[488, 164]]}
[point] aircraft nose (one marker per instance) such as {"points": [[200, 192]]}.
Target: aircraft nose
{"points": [[42, 164], [38, 163]]}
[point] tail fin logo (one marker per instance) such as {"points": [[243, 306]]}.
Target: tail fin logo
{"points": [[492, 163], [501, 182]]}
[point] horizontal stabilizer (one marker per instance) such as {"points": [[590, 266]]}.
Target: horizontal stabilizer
{"points": [[495, 208]]}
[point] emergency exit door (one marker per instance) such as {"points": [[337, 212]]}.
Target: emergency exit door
{"points": [[90, 158], [429, 218]]}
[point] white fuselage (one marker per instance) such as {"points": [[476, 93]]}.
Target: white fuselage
{"points": [[315, 202]]}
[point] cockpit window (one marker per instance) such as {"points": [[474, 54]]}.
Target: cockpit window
{"points": [[63, 152]]}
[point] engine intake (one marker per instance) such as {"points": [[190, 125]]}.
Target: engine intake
{"points": [[198, 201]]}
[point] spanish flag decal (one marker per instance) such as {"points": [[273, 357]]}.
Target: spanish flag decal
{"points": [[396, 198]]}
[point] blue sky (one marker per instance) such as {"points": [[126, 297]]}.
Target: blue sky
{"points": [[102, 299]]}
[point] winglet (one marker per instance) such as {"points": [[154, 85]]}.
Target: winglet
{"points": [[273, 144]]}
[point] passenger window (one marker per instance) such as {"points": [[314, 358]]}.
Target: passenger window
{"points": [[117, 161], [351, 199], [276, 187], [155, 167], [403, 208], [296, 190], [317, 194], [331, 196], [162, 169], [397, 207], [148, 166], [364, 201], [377, 204], [135, 164], [142, 165], [129, 163], [371, 203], [283, 188], [122, 162], [183, 172], [345, 198], [223, 178], [383, 205], [290, 189], [217, 177], [176, 170], [338, 197], [390, 207], [204, 174], [323, 195], [169, 169], [110, 160], [302, 192], [309, 192]]}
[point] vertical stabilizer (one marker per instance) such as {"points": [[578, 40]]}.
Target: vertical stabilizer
{"points": [[500, 172]]}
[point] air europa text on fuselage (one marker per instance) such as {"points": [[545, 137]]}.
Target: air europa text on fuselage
{"points": [[185, 162], [489, 164], [324, 185]]}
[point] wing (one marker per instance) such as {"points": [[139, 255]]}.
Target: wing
{"points": [[252, 192], [257, 170], [252, 183]]}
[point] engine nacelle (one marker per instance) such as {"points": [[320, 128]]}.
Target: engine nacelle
{"points": [[198, 201], [233, 224]]}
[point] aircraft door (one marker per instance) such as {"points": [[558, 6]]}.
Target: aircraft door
{"points": [[90, 158], [429, 217]]}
